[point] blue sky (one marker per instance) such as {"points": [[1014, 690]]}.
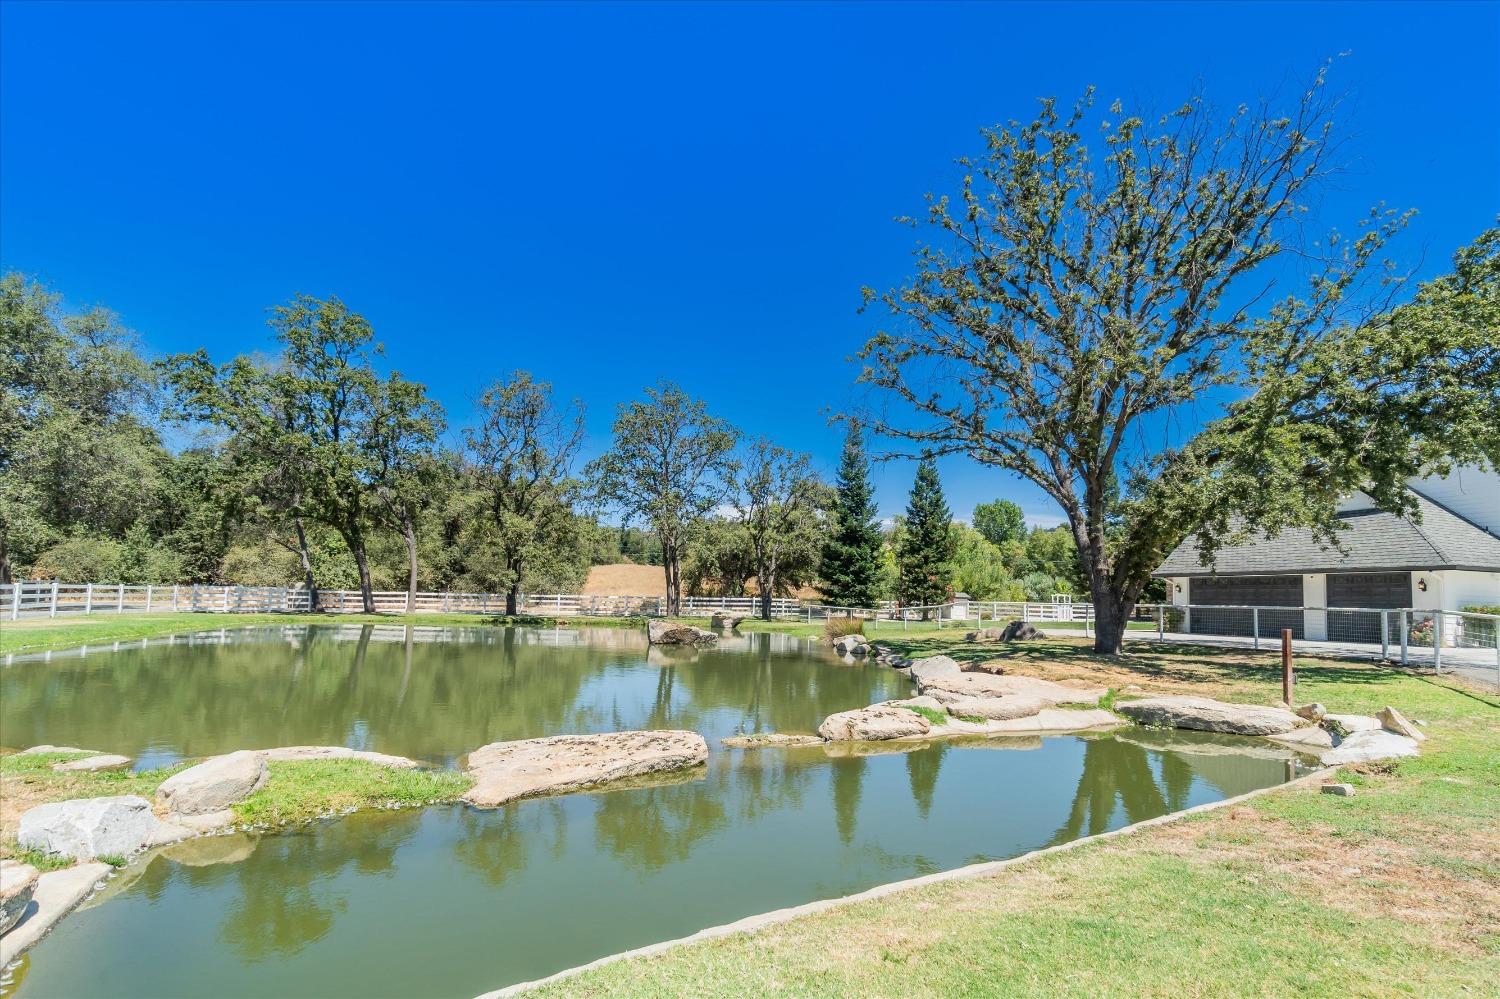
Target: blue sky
{"points": [[606, 195]]}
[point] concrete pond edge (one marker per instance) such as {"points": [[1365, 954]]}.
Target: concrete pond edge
{"points": [[752, 924]]}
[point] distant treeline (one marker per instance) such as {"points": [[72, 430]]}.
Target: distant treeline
{"points": [[315, 466]]}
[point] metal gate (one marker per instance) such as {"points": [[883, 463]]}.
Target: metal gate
{"points": [[1236, 594], [1374, 590]]}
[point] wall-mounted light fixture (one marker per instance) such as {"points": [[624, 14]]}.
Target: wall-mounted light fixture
{"points": [[1422, 585], [1179, 587]]}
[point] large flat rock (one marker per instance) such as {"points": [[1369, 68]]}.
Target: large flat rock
{"points": [[292, 754], [1205, 714], [214, 784], [991, 708], [505, 771], [85, 828], [1370, 746], [1053, 720], [875, 723], [103, 761], [992, 685]]}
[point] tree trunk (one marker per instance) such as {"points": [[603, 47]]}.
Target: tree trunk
{"points": [[307, 569], [356, 541], [673, 570], [765, 578], [4, 560], [1111, 612], [512, 598], [409, 531]]}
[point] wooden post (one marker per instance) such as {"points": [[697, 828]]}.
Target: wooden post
{"points": [[54, 599], [1286, 666], [148, 598], [15, 600], [120, 599], [88, 598]]}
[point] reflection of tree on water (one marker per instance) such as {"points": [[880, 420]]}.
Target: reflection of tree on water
{"points": [[285, 899], [922, 767], [653, 827], [496, 841], [848, 777], [1117, 773]]}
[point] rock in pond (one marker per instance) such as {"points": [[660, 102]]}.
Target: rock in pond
{"points": [[660, 632], [104, 761], [1053, 720], [766, 740], [1369, 746], [1204, 714], [852, 645], [874, 723], [17, 882], [214, 784], [1394, 721], [38, 750], [85, 828], [993, 708], [1312, 712], [725, 620], [504, 771], [284, 754], [991, 685], [933, 667]]}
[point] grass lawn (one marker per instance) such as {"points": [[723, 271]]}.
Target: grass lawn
{"points": [[1395, 891], [41, 634]]}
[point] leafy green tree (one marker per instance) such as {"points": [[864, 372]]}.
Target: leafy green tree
{"points": [[777, 495], [925, 557], [670, 464], [851, 570], [523, 450], [718, 559], [1000, 521], [405, 467], [978, 567], [1077, 292], [77, 459]]}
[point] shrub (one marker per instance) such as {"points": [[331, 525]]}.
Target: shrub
{"points": [[838, 627]]}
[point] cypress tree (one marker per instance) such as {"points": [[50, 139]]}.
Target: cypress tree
{"points": [[851, 556], [925, 555]]}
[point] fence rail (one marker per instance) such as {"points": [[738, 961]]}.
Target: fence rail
{"points": [[52, 599]]}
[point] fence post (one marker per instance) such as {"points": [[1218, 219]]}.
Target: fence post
{"points": [[1161, 623], [120, 598], [88, 598], [54, 599], [148, 598], [1255, 626], [1405, 632], [1385, 637], [1437, 642], [174, 596], [15, 601], [1286, 666]]}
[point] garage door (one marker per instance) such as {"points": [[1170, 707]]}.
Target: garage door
{"points": [[1364, 589], [1234, 593]]}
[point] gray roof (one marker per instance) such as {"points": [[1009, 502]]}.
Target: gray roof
{"points": [[1375, 541]]}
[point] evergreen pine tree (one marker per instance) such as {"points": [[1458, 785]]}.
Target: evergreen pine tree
{"points": [[925, 556], [851, 556]]}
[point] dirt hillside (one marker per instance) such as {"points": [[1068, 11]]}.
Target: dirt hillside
{"points": [[625, 580]]}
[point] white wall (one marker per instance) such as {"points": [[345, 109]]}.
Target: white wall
{"points": [[1468, 492], [1461, 587]]}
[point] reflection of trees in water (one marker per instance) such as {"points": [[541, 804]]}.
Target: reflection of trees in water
{"points": [[922, 767], [652, 827], [848, 778], [1117, 773], [286, 896], [495, 842]]}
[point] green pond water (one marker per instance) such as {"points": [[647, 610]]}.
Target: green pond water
{"points": [[455, 901]]}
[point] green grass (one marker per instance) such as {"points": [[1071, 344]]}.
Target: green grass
{"points": [[1395, 891], [307, 789], [931, 714]]}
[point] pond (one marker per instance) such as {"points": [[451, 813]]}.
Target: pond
{"points": [[454, 901]]}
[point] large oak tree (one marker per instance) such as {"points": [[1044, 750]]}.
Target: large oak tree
{"points": [[1079, 296]]}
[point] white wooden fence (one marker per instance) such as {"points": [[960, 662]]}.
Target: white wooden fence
{"points": [[51, 599]]}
